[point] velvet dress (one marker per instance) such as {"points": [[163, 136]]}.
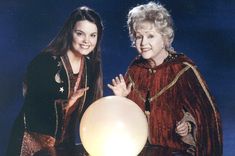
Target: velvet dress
{"points": [[48, 85], [171, 93]]}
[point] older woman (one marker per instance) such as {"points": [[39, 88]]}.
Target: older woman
{"points": [[168, 87]]}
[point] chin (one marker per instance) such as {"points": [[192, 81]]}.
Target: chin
{"points": [[85, 52], [146, 57]]}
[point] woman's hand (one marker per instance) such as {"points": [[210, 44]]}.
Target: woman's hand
{"points": [[183, 128], [77, 93], [119, 86]]}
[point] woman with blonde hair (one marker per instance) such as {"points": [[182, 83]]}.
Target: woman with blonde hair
{"points": [[168, 87]]}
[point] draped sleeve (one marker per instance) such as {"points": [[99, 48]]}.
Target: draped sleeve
{"points": [[197, 100]]}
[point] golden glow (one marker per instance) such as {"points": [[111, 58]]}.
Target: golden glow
{"points": [[114, 126]]}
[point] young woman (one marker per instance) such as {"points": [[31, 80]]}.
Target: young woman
{"points": [[166, 85], [60, 84]]}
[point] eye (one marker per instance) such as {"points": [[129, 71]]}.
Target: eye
{"points": [[78, 33], [138, 37], [150, 36], [93, 35]]}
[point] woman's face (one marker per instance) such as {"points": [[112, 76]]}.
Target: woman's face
{"points": [[84, 35], [148, 41]]}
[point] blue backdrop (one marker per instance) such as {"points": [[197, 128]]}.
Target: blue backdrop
{"points": [[205, 32]]}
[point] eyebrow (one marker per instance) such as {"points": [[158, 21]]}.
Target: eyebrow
{"points": [[145, 32], [77, 30]]}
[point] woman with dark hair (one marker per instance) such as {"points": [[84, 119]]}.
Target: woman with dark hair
{"points": [[61, 82], [168, 87]]}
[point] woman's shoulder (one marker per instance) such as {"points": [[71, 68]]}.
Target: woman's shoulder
{"points": [[43, 61], [44, 58], [178, 59], [180, 63]]}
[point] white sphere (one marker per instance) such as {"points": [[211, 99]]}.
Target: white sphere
{"points": [[113, 126]]}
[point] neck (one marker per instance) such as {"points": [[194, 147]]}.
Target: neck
{"points": [[159, 59], [75, 61], [74, 56]]}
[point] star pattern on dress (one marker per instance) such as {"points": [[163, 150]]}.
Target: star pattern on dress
{"points": [[61, 89], [54, 57], [59, 64]]}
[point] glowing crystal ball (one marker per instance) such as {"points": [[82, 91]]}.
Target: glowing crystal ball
{"points": [[113, 126]]}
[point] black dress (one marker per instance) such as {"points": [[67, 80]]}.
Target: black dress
{"points": [[49, 83]]}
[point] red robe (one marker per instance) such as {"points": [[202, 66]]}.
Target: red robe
{"points": [[177, 93]]}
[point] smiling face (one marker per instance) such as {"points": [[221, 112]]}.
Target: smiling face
{"points": [[149, 42], [84, 36]]}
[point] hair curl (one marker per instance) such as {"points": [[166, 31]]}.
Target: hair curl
{"points": [[154, 13]]}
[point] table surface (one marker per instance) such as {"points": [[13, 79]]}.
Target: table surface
{"points": [[78, 150]]}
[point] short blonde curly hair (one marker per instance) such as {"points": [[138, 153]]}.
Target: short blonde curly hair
{"points": [[154, 13]]}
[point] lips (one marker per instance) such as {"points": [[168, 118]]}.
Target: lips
{"points": [[84, 46], [144, 50]]}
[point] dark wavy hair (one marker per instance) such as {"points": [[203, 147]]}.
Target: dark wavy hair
{"points": [[63, 41]]}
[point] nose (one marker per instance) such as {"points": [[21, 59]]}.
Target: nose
{"points": [[143, 41], [86, 39]]}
